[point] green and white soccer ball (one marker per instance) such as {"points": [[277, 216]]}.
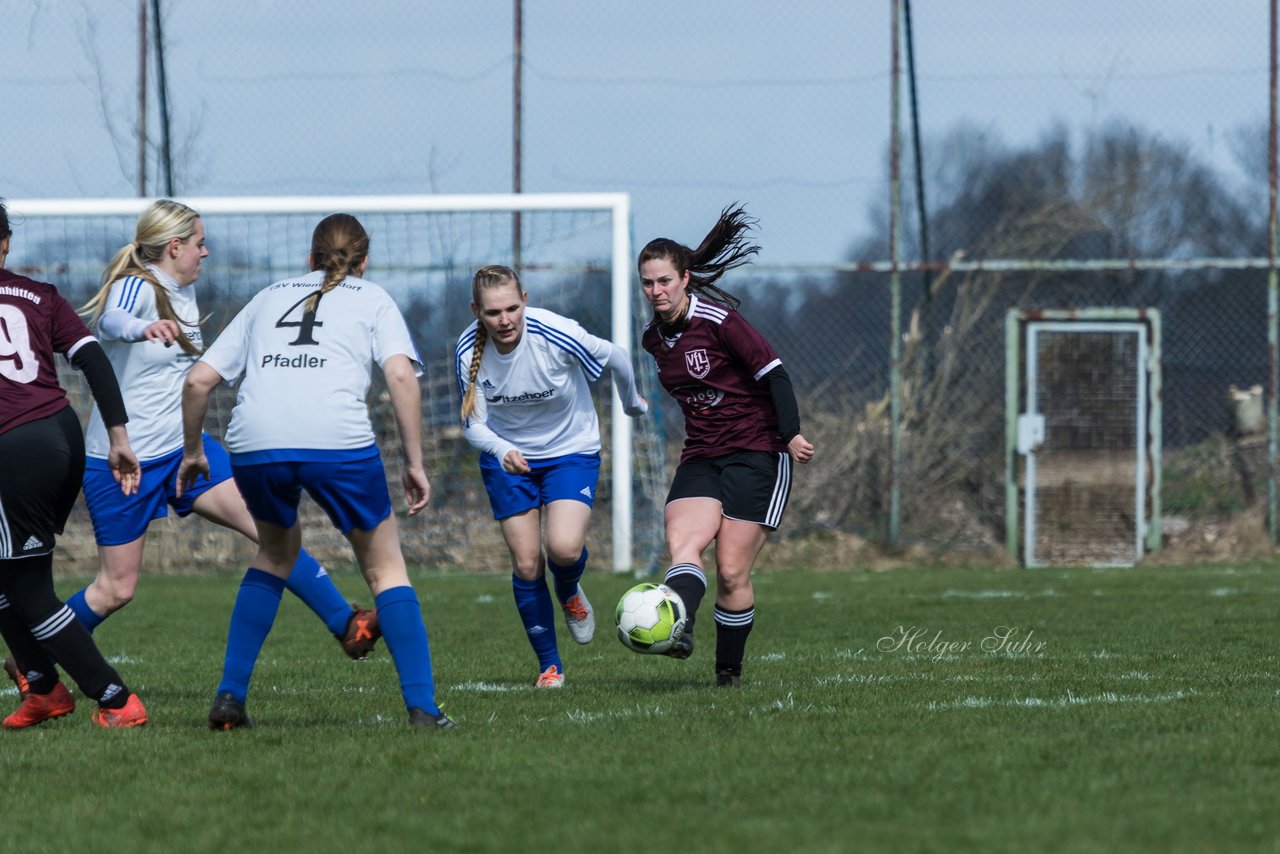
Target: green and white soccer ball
{"points": [[650, 618]]}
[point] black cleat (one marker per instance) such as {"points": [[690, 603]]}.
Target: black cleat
{"points": [[682, 648], [726, 678], [228, 713], [361, 634], [426, 720]]}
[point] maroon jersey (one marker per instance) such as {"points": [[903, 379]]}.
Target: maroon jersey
{"points": [[35, 323], [713, 368]]}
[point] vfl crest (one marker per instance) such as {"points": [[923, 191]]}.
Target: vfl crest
{"points": [[697, 363]]}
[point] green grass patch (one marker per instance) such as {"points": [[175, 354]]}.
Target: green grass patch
{"points": [[1122, 710]]}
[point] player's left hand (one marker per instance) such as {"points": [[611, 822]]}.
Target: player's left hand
{"points": [[800, 449], [417, 489], [638, 407], [188, 470]]}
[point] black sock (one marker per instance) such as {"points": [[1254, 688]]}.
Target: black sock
{"points": [[732, 628], [29, 588], [687, 580], [30, 657]]}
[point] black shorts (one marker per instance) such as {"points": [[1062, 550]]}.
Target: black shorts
{"points": [[39, 482], [752, 486]]}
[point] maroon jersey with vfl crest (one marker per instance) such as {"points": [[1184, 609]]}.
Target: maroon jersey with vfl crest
{"points": [[714, 367], [35, 323]]}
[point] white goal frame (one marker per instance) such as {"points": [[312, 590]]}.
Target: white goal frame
{"points": [[618, 204]]}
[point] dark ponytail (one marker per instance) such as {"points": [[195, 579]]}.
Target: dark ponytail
{"points": [[725, 248], [339, 246]]}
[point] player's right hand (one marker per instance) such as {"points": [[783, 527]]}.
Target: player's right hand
{"points": [[514, 462]]}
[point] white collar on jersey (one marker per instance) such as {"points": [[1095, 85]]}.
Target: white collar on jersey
{"points": [[169, 282]]}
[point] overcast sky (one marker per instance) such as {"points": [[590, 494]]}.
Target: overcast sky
{"points": [[685, 105]]}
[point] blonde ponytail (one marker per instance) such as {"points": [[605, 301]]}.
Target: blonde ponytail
{"points": [[477, 354], [160, 223]]}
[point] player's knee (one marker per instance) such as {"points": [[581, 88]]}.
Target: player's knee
{"points": [[525, 567], [732, 579], [564, 554]]}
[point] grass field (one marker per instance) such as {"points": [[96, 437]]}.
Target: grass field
{"points": [[1118, 710]]}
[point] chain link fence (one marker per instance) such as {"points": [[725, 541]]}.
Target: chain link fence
{"points": [[1052, 136]]}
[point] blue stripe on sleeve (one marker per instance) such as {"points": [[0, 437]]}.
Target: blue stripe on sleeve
{"points": [[571, 345], [129, 293]]}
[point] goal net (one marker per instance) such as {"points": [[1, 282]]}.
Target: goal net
{"points": [[574, 258]]}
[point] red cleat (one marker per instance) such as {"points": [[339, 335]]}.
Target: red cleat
{"points": [[38, 708], [130, 714]]}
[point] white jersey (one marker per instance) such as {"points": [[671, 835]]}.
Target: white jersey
{"points": [[306, 376], [535, 398], [150, 374]]}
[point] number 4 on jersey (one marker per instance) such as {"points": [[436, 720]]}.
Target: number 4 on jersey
{"points": [[305, 326]]}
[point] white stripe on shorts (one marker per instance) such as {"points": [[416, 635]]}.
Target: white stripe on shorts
{"points": [[781, 491], [6, 538]]}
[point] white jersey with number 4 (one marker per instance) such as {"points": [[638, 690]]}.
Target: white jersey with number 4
{"points": [[536, 398], [306, 376]]}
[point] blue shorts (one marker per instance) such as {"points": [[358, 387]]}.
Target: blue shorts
{"points": [[573, 477], [350, 486], [119, 518]]}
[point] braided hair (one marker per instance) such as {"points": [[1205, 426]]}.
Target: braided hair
{"points": [[492, 276], [339, 246]]}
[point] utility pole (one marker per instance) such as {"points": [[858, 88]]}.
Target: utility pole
{"points": [[162, 84], [142, 97], [516, 119]]}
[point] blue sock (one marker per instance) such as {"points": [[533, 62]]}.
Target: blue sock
{"points": [[533, 601], [251, 619], [88, 617], [405, 634], [566, 577], [310, 583]]}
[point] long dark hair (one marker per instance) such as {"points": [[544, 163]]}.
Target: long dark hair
{"points": [[725, 247]]}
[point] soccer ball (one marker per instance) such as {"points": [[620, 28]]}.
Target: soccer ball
{"points": [[650, 618]]}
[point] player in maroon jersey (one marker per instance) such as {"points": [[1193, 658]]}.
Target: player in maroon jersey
{"points": [[742, 429], [43, 453]]}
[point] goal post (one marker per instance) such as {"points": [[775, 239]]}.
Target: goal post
{"points": [[424, 250]]}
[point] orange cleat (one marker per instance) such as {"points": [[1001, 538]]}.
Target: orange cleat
{"points": [[131, 714], [18, 677], [550, 678], [38, 708]]}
